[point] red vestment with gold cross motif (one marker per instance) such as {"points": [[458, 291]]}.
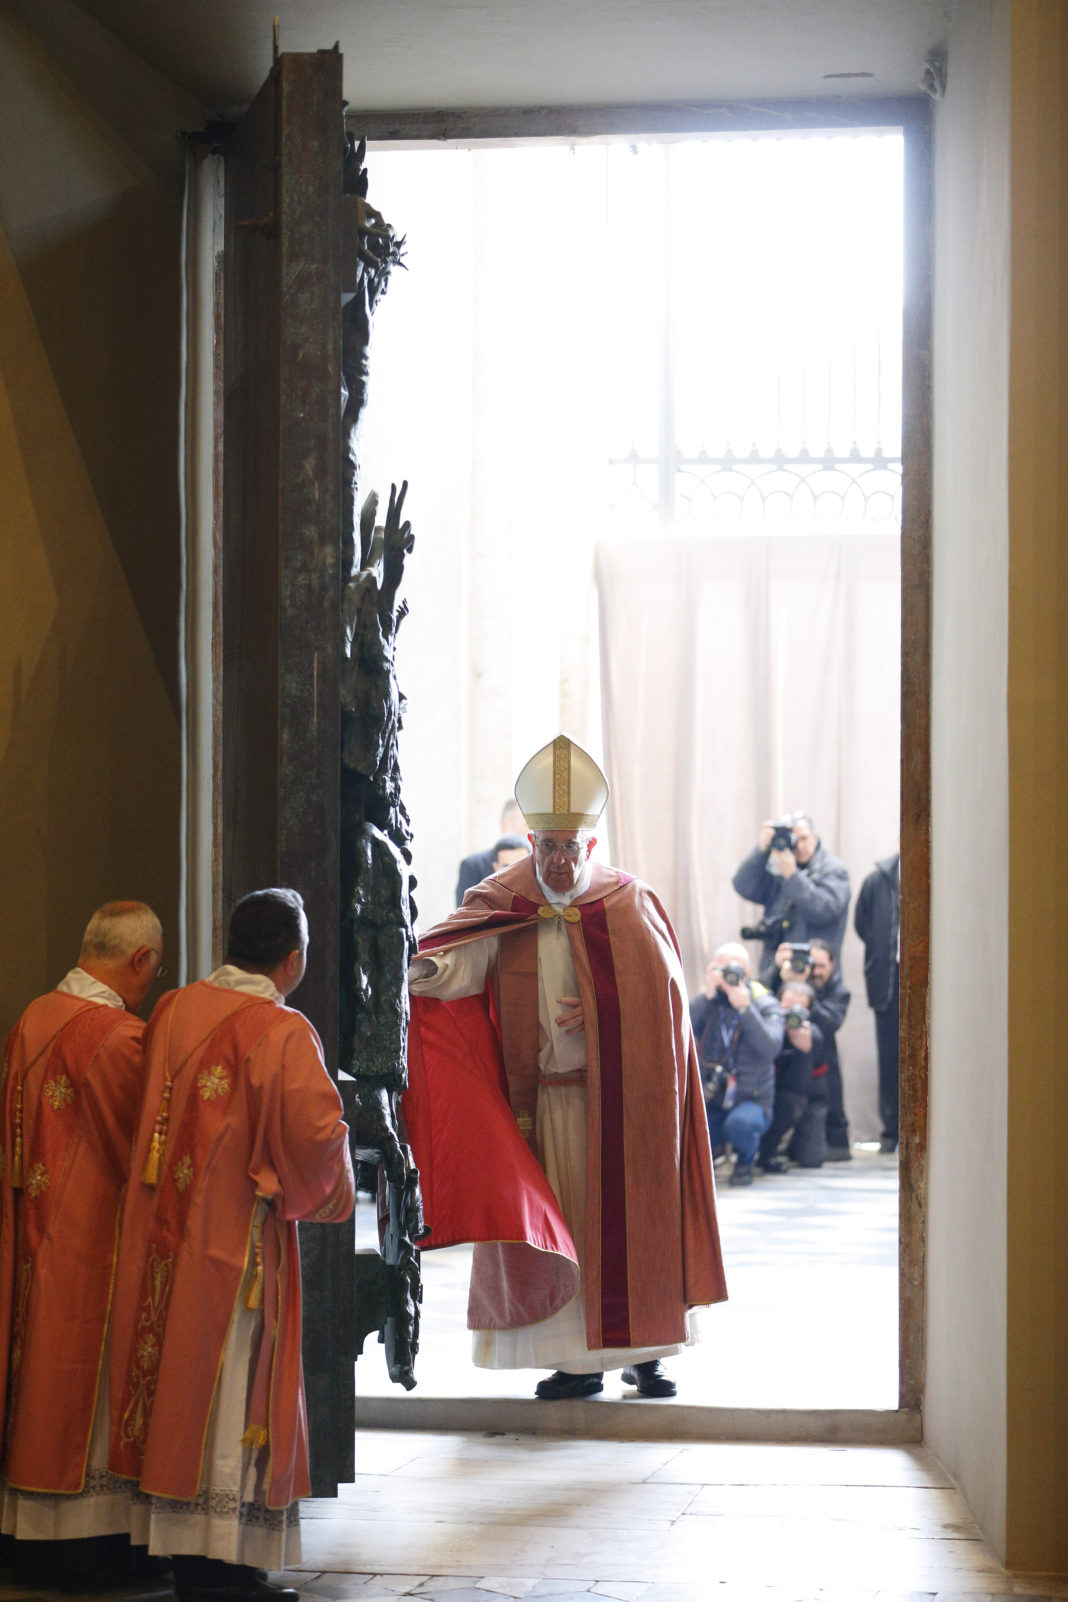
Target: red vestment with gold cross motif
{"points": [[240, 1135], [73, 1077]]}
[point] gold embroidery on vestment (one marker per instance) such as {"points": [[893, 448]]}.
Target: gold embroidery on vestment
{"points": [[16, 1155], [37, 1180], [148, 1351], [142, 1384], [183, 1171], [561, 774], [22, 1303], [525, 1122], [213, 1082], [59, 1093]]}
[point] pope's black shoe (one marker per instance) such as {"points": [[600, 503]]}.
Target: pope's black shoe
{"points": [[650, 1379], [559, 1386]]}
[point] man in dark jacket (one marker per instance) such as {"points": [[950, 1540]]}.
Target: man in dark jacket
{"points": [[737, 1024], [877, 920], [480, 864], [830, 1003], [803, 889], [800, 1085]]}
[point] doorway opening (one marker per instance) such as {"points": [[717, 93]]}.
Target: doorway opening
{"points": [[648, 398]]}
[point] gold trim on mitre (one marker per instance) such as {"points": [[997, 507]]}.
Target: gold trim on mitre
{"points": [[561, 787]]}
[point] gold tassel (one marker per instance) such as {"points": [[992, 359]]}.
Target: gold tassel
{"points": [[255, 1435], [16, 1155], [254, 1294], [154, 1160]]}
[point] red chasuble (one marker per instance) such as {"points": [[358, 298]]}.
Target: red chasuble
{"points": [[240, 1135], [74, 1072], [652, 1240]]}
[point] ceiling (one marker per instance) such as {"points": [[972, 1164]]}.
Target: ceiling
{"points": [[449, 54]]}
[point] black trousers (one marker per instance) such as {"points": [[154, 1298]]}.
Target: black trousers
{"points": [[888, 1046], [807, 1119], [837, 1122]]}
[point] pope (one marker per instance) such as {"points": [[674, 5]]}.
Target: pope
{"points": [[555, 1106]]}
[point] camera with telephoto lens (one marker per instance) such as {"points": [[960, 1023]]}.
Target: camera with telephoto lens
{"points": [[782, 835], [797, 1017], [800, 958], [766, 929], [733, 975]]}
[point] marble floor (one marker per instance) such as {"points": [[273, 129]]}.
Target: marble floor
{"points": [[812, 1252], [481, 1515], [474, 1518]]}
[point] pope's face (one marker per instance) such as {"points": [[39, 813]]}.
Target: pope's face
{"points": [[561, 855]]}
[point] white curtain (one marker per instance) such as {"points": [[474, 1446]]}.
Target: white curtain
{"points": [[743, 677]]}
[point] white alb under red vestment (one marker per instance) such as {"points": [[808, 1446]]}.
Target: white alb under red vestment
{"points": [[241, 1134], [73, 1077]]}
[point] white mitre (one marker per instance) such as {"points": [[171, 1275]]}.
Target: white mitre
{"points": [[561, 787]]}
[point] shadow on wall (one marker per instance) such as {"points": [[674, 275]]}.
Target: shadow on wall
{"points": [[106, 303], [89, 739]]}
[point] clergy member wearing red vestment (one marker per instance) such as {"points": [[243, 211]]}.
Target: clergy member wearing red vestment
{"points": [[240, 1135], [555, 1106], [73, 1080]]}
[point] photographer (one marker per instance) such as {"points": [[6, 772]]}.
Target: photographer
{"points": [[800, 1085], [813, 961], [877, 920], [803, 889], [738, 1028]]}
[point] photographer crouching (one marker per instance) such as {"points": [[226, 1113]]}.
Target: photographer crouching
{"points": [[800, 1085], [803, 889], [813, 961], [738, 1026]]}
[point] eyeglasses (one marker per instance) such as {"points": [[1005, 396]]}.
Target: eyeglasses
{"points": [[161, 971], [572, 849]]}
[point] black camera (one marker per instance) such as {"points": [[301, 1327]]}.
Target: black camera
{"points": [[796, 1017], [800, 959], [766, 929], [782, 835], [733, 975]]}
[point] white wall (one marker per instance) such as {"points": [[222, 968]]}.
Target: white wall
{"points": [[964, 1404]]}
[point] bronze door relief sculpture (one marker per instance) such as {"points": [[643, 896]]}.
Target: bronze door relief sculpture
{"points": [[376, 937]]}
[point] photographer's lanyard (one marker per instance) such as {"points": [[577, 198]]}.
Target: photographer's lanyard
{"points": [[729, 1031]]}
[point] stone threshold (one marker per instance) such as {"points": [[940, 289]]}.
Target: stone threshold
{"points": [[645, 1419]]}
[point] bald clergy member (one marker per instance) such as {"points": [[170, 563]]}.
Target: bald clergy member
{"points": [[588, 1182], [73, 1081], [241, 1135]]}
